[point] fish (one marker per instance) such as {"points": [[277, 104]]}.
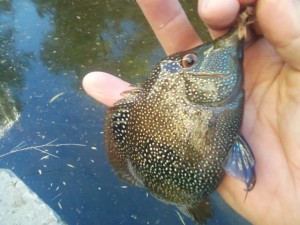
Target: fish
{"points": [[178, 133]]}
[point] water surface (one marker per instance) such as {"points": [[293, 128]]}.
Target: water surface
{"points": [[46, 47]]}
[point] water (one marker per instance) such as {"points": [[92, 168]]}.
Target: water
{"points": [[46, 47]]}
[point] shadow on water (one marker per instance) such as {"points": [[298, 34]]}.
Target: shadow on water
{"points": [[46, 47]]}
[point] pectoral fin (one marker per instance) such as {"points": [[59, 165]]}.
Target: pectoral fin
{"points": [[240, 163]]}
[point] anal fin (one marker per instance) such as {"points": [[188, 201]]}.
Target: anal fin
{"points": [[200, 211]]}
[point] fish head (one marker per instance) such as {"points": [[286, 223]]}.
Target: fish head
{"points": [[212, 74]]}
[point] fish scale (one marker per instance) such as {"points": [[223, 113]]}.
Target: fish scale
{"points": [[178, 133]]}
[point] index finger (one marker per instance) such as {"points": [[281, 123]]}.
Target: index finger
{"points": [[170, 24]]}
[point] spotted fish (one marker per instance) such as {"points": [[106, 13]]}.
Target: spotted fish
{"points": [[178, 133]]}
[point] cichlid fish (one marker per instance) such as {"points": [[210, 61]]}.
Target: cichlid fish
{"points": [[178, 133]]}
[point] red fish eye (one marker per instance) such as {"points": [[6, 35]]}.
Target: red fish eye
{"points": [[189, 60]]}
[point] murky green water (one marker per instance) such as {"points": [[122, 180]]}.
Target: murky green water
{"points": [[46, 47]]}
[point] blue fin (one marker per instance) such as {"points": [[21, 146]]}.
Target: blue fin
{"points": [[240, 163]]}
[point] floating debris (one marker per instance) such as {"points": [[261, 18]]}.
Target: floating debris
{"points": [[134, 217], [70, 165], [56, 97], [180, 217], [59, 205], [56, 196], [45, 157]]}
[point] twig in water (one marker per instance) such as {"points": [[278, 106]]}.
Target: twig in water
{"points": [[21, 147]]}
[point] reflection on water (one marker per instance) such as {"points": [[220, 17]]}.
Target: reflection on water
{"points": [[45, 49], [12, 63], [91, 35], [9, 113]]}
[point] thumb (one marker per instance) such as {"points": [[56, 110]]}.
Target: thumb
{"points": [[104, 87]]}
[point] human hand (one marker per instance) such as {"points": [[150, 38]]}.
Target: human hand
{"points": [[271, 121]]}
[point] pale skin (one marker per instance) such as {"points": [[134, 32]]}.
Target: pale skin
{"points": [[271, 122]]}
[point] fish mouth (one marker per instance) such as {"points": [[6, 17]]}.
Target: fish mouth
{"points": [[211, 76]]}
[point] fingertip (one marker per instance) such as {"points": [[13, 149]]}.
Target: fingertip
{"points": [[92, 82], [170, 25], [104, 87], [218, 15], [88, 81]]}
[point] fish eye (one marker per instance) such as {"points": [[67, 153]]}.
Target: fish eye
{"points": [[189, 60]]}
